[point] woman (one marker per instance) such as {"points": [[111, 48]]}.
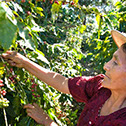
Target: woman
{"points": [[104, 95]]}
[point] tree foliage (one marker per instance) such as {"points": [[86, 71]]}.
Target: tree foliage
{"points": [[71, 37]]}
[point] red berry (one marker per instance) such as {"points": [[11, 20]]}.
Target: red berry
{"points": [[32, 90], [4, 65], [23, 1], [11, 78], [15, 76], [28, 12], [51, 1], [4, 92], [35, 84], [57, 2], [13, 81], [1, 81], [32, 86], [32, 80], [1, 85], [72, 3], [64, 3], [35, 96], [43, 0], [44, 42], [38, 96], [11, 69]]}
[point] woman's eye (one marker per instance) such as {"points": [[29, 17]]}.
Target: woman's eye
{"points": [[115, 63]]}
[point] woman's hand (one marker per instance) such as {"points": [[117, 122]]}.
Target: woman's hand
{"points": [[37, 113], [14, 58]]}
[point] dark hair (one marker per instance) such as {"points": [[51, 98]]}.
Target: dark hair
{"points": [[124, 47]]}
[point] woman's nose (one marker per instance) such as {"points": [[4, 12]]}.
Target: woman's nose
{"points": [[106, 66]]}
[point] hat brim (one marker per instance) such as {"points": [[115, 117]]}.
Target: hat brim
{"points": [[118, 37]]}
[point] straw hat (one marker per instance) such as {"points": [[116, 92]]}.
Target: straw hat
{"points": [[118, 37]]}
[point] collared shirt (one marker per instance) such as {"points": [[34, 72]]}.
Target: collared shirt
{"points": [[90, 91]]}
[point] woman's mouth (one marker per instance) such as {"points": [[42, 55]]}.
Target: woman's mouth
{"points": [[107, 76]]}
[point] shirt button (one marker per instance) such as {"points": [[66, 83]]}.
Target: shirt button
{"points": [[90, 122]]}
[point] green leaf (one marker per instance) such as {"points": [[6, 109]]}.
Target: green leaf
{"points": [[16, 105], [41, 56], [9, 13], [7, 28], [98, 19], [82, 28], [27, 43], [108, 22], [55, 9], [118, 5], [76, 1], [24, 32], [39, 11], [2, 13], [1, 69], [95, 10], [39, 8], [7, 33]]}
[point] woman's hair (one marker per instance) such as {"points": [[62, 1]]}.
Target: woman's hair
{"points": [[124, 47]]}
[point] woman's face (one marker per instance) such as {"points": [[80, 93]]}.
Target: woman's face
{"points": [[115, 75]]}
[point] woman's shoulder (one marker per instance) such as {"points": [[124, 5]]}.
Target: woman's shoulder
{"points": [[118, 118]]}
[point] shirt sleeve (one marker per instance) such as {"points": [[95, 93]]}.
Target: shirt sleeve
{"points": [[83, 88], [117, 122]]}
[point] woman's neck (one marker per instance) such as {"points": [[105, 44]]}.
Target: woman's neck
{"points": [[116, 101], [117, 98]]}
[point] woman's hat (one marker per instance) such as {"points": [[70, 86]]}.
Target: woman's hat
{"points": [[118, 37]]}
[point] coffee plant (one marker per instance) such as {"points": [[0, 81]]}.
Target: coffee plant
{"points": [[65, 36]]}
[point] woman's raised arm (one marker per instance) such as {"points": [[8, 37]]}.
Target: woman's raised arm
{"points": [[53, 79]]}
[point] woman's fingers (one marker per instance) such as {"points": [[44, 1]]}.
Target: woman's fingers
{"points": [[29, 109], [29, 114], [9, 54], [11, 62], [36, 105], [5, 56], [28, 106], [38, 114], [32, 111]]}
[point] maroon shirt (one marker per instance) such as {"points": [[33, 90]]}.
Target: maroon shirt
{"points": [[90, 91]]}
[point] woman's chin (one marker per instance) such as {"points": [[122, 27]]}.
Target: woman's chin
{"points": [[105, 83]]}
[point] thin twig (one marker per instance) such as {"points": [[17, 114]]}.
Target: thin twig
{"points": [[5, 117]]}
